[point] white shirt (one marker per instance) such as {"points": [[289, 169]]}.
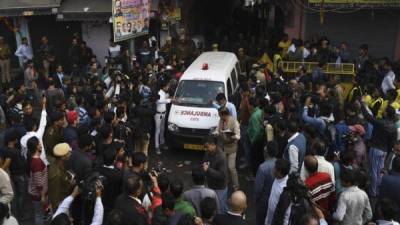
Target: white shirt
{"points": [[291, 48], [306, 53], [60, 77], [323, 222], [147, 203], [162, 101], [385, 222], [114, 51], [136, 199], [10, 221], [237, 214], [353, 207], [6, 191], [293, 154], [276, 191], [323, 166], [2, 116], [387, 82], [98, 210], [24, 53], [39, 135], [231, 108]]}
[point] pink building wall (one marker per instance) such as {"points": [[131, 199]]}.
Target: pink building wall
{"points": [[298, 28], [397, 46]]}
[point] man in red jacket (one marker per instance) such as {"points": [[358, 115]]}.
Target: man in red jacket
{"points": [[320, 185]]}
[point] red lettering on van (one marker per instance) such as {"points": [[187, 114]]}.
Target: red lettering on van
{"points": [[195, 113]]}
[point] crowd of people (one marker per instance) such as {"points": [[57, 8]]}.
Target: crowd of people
{"points": [[76, 137]]}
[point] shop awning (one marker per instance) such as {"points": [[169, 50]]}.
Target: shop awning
{"points": [[85, 10], [11, 8]]}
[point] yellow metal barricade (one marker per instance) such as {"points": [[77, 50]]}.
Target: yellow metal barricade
{"points": [[329, 68]]}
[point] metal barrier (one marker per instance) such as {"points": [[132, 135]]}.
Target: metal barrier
{"points": [[329, 68]]}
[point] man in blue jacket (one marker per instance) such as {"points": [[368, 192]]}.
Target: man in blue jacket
{"points": [[264, 180], [391, 182]]}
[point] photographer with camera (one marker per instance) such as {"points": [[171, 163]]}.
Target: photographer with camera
{"points": [[149, 180], [62, 215]]}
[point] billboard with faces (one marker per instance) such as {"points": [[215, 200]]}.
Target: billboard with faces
{"points": [[130, 18]]}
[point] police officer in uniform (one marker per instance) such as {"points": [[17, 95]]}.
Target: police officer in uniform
{"points": [[159, 117]]}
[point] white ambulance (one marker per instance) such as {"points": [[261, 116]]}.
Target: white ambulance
{"points": [[194, 115]]}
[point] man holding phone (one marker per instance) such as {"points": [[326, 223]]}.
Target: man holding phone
{"points": [[215, 165]]}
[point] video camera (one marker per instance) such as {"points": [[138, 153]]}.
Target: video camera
{"points": [[350, 138], [88, 185]]}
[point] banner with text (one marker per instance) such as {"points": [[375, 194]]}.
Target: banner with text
{"points": [[130, 18]]}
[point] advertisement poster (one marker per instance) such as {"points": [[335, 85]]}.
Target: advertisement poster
{"points": [[170, 12], [130, 18]]}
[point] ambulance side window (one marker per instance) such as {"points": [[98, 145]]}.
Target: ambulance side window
{"points": [[238, 68], [229, 89], [234, 78]]}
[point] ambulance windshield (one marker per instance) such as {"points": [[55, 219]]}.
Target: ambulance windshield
{"points": [[198, 92]]}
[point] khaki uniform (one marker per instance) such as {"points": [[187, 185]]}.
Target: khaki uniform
{"points": [[230, 145], [59, 187], [5, 63]]}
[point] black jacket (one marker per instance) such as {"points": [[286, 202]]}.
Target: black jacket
{"points": [[112, 186], [143, 117], [384, 133], [123, 132], [301, 207], [57, 81], [80, 164], [74, 54], [132, 212], [225, 219], [216, 173]]}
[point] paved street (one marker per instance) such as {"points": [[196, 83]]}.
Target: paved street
{"points": [[170, 158]]}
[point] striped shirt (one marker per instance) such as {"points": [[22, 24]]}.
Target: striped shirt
{"points": [[83, 116], [321, 189], [17, 109], [38, 178]]}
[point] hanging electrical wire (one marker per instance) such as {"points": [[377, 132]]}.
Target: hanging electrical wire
{"points": [[310, 9]]}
